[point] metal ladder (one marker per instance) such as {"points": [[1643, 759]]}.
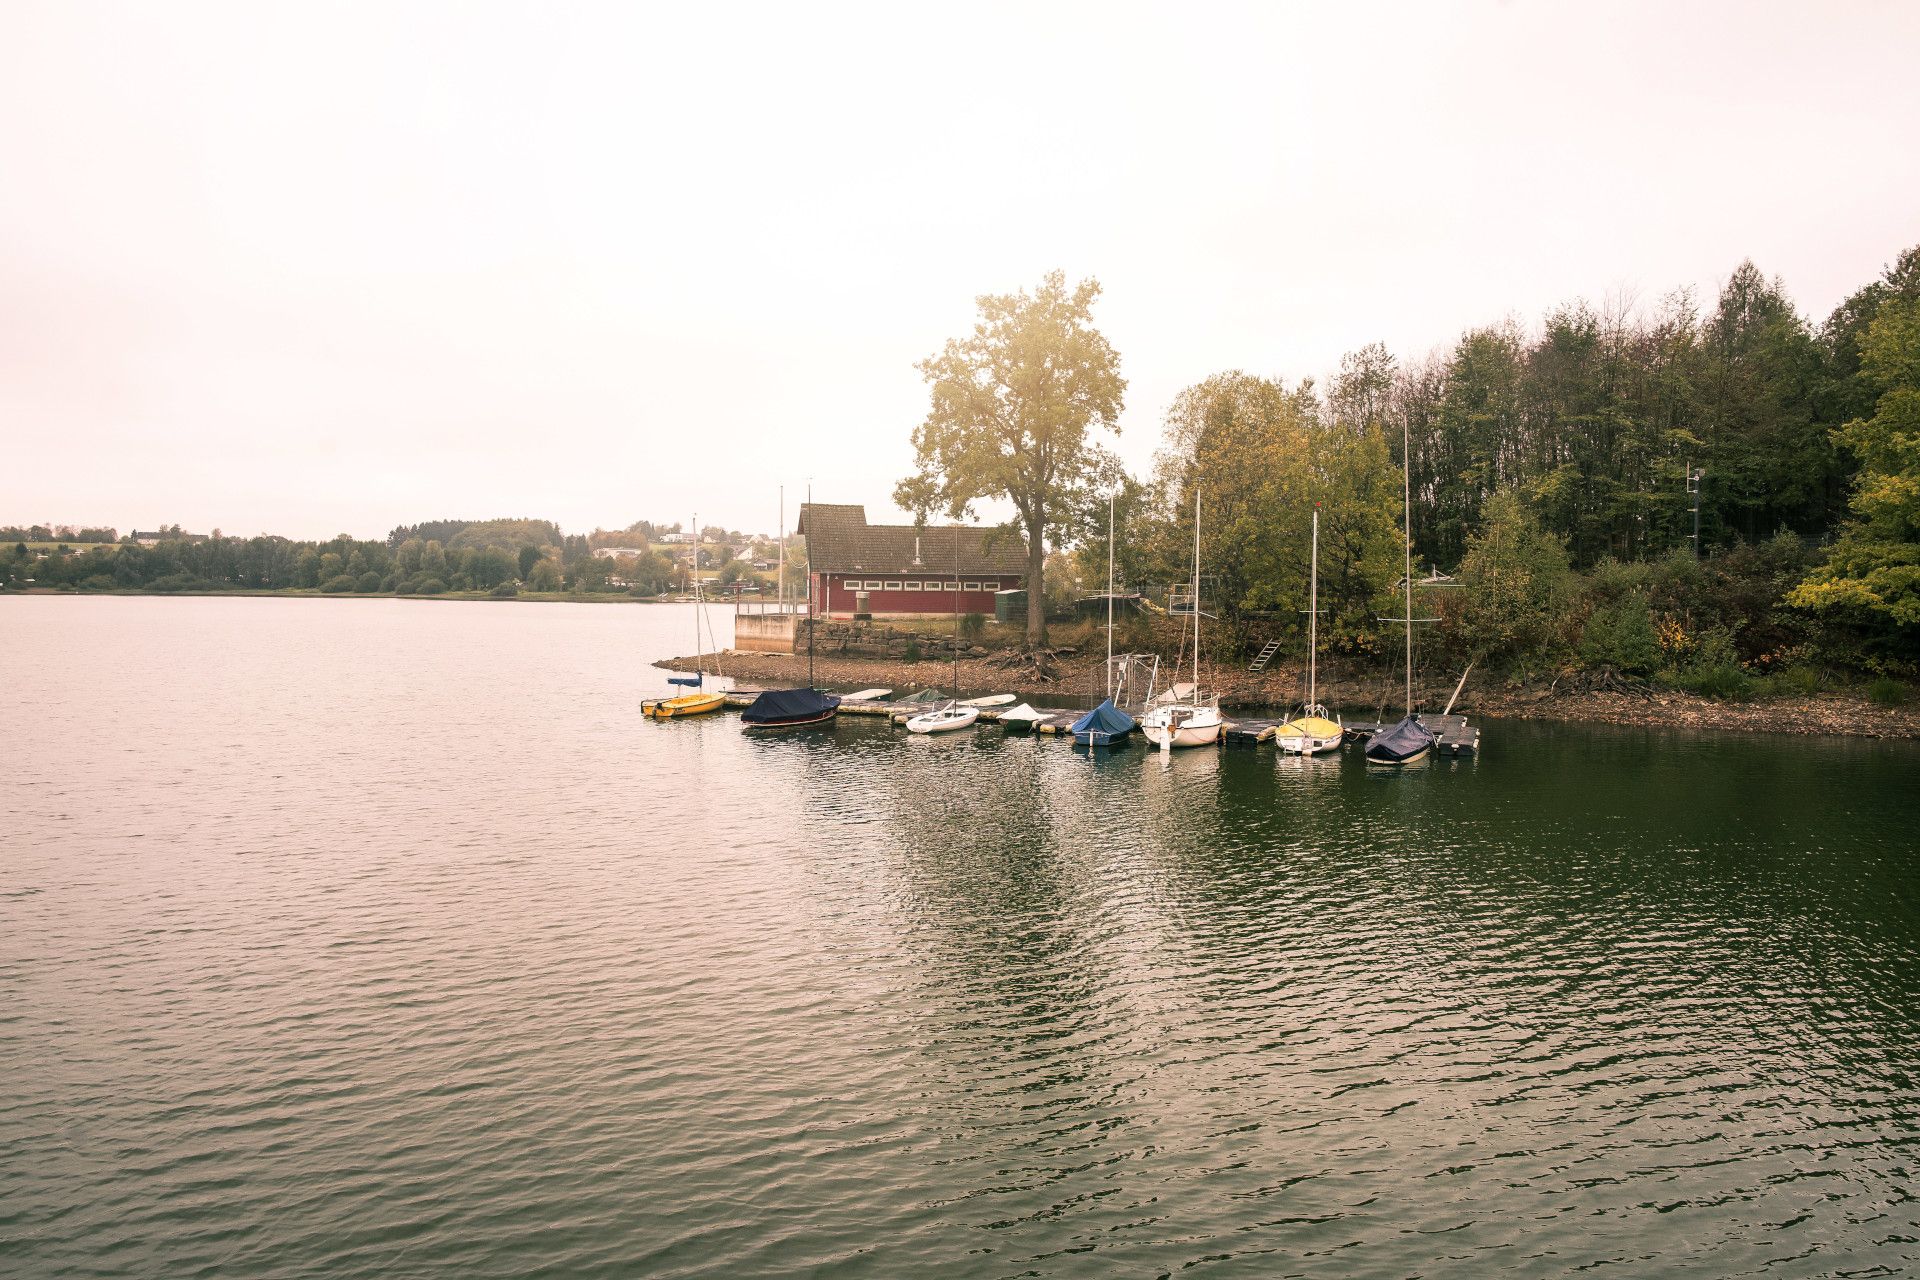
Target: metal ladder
{"points": [[1266, 656]]}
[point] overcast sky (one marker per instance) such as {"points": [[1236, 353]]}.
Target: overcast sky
{"points": [[317, 268]]}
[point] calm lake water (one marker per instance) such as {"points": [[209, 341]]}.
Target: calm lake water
{"points": [[385, 938]]}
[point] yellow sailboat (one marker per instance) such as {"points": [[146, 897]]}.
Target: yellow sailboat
{"points": [[701, 700], [1311, 733]]}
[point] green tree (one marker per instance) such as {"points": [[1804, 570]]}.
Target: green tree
{"points": [[544, 576], [1015, 406], [1872, 574], [1517, 580], [529, 557]]}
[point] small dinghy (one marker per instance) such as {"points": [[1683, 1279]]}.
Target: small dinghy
{"points": [[1104, 726], [1021, 719], [1408, 742], [943, 719]]}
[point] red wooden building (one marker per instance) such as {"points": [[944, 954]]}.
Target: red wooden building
{"points": [[903, 569]]}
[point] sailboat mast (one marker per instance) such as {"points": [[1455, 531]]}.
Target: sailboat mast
{"points": [[696, 594], [956, 641], [1196, 592], [1109, 597], [783, 554], [1313, 617], [1406, 530]]}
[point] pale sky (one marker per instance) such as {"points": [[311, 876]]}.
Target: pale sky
{"points": [[321, 268]]}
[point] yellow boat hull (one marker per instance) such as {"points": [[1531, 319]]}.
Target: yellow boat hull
{"points": [[687, 704]]}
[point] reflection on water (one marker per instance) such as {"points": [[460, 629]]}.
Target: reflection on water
{"points": [[318, 962]]}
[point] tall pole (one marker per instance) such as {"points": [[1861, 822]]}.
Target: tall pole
{"points": [[1406, 528], [696, 589], [1109, 597], [1196, 592], [1313, 616], [1693, 486], [783, 550]]}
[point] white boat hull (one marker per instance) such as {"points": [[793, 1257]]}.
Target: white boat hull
{"points": [[943, 721], [1186, 728]]}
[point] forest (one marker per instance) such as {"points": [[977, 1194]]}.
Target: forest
{"points": [[1558, 475]]}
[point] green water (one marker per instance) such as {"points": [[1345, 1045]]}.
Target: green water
{"points": [[385, 938]]}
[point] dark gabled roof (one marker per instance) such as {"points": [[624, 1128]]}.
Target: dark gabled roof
{"points": [[839, 540]]}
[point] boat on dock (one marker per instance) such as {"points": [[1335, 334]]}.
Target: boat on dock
{"points": [[1104, 726], [1409, 741], [1192, 720], [1313, 732], [702, 700], [943, 719], [777, 709]]}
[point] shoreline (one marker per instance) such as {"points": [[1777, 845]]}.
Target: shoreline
{"points": [[1081, 680], [314, 593]]}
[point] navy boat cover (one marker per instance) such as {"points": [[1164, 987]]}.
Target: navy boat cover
{"points": [[783, 706], [692, 681], [1408, 738], [1105, 719]]}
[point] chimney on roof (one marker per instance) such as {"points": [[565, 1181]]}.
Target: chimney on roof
{"points": [[916, 549]]}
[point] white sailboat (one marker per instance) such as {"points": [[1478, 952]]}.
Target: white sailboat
{"points": [[1191, 718], [953, 714], [1313, 732]]}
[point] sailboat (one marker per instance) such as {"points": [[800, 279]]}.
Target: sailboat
{"points": [[1190, 718], [703, 700], [953, 714], [1106, 725], [778, 709], [1409, 741], [1312, 732]]}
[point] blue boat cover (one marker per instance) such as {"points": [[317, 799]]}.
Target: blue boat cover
{"points": [[779, 706], [1105, 718], [1408, 738], [692, 682]]}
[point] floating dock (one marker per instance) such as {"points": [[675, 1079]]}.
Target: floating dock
{"points": [[1453, 736]]}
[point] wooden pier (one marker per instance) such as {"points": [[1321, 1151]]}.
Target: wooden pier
{"points": [[1453, 736]]}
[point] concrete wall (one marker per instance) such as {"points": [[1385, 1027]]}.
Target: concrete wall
{"points": [[764, 632]]}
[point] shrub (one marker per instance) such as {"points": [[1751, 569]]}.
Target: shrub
{"points": [[972, 626], [177, 582], [505, 591], [912, 653], [338, 583], [1714, 670], [406, 586], [369, 581], [1887, 692], [1794, 682], [431, 587], [1620, 635], [98, 582]]}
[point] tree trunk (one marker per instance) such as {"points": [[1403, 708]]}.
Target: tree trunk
{"points": [[1036, 590]]}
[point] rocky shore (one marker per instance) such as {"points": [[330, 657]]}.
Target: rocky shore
{"points": [[1080, 680]]}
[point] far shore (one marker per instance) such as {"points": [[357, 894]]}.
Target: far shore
{"points": [[314, 593], [1370, 696]]}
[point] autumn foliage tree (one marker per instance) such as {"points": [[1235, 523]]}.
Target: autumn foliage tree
{"points": [[1016, 415]]}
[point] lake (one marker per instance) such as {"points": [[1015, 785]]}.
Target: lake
{"points": [[384, 937]]}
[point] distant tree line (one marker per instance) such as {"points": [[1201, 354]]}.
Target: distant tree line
{"points": [[498, 557]]}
